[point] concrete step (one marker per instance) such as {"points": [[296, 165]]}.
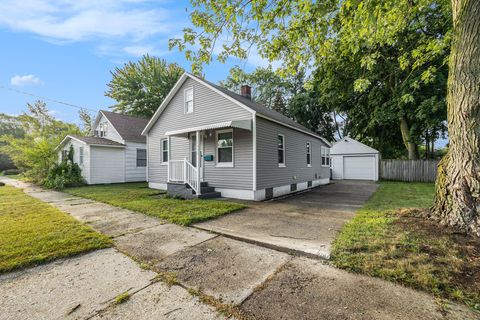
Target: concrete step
{"points": [[207, 189], [210, 195]]}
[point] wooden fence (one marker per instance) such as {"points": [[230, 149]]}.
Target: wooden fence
{"points": [[409, 170]]}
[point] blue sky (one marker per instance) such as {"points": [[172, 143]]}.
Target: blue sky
{"points": [[65, 49]]}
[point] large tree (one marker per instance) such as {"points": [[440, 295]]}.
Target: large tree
{"points": [[140, 87], [304, 32], [457, 200], [33, 151]]}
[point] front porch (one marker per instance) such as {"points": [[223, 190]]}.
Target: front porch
{"points": [[189, 151]]}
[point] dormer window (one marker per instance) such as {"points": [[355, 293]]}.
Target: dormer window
{"points": [[188, 95], [103, 129]]}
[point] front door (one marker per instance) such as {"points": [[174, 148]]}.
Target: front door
{"points": [[193, 152]]}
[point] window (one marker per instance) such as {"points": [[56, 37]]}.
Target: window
{"points": [[325, 157], [64, 155], [281, 150], [164, 144], [103, 129], [188, 100], [225, 148], [309, 155], [80, 155], [193, 149], [141, 157]]}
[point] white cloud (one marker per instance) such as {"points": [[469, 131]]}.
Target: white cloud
{"points": [[126, 25], [25, 80]]}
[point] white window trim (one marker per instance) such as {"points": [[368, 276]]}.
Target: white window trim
{"points": [[185, 100], [284, 164], [224, 164], [164, 163], [308, 146], [324, 154]]}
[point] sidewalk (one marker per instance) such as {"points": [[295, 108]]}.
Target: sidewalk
{"points": [[262, 282]]}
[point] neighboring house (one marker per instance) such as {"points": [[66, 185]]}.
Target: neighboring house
{"points": [[243, 150], [116, 151], [354, 160]]}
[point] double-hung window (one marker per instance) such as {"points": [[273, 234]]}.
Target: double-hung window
{"points": [[309, 154], [64, 155], [188, 100], [80, 152], [325, 157], [141, 157], [164, 147], [281, 150], [225, 148]]}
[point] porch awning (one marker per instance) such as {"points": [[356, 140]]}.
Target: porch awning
{"points": [[241, 124]]}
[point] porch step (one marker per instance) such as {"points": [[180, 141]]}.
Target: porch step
{"points": [[207, 189], [210, 195], [185, 191]]}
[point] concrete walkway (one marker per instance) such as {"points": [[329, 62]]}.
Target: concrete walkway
{"points": [[264, 283]]}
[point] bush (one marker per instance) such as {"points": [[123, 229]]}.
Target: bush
{"points": [[65, 174], [11, 172]]}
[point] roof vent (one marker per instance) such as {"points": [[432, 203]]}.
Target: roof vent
{"points": [[246, 91]]}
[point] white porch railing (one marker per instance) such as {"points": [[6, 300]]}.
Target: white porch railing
{"points": [[183, 171]]}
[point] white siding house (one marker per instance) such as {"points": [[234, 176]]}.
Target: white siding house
{"points": [[116, 152], [207, 141], [354, 160]]}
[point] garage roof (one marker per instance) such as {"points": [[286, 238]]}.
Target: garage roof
{"points": [[349, 145]]}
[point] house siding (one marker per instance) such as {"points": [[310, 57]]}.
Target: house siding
{"points": [[76, 156], [269, 174], [107, 164], [132, 172], [209, 107]]}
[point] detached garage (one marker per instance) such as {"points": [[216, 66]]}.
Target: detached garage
{"points": [[354, 160]]}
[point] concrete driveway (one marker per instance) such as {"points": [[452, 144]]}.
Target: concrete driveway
{"points": [[304, 223]]}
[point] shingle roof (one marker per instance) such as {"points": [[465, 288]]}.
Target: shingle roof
{"points": [[257, 107], [128, 127], [97, 141]]}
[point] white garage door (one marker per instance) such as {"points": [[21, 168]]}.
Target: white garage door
{"points": [[359, 168], [107, 165]]}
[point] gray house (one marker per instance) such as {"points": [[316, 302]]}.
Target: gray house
{"points": [[205, 141], [114, 153]]}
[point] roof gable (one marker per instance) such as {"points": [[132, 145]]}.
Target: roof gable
{"points": [[349, 145], [249, 105], [128, 127]]}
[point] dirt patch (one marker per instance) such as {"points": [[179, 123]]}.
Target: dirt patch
{"points": [[457, 253]]}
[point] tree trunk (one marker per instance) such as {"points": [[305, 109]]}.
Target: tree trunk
{"points": [[411, 146], [457, 200]]}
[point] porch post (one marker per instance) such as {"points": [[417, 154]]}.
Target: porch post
{"points": [[168, 158], [199, 191]]}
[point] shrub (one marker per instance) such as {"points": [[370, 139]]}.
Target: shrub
{"points": [[65, 174]]}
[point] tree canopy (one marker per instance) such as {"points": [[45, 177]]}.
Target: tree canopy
{"points": [[140, 87], [34, 150]]}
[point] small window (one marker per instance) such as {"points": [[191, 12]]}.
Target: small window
{"points": [[141, 157], [225, 148], [189, 100], [281, 150], [309, 155], [325, 157], [103, 129], [193, 150], [64, 155], [80, 155], [164, 143]]}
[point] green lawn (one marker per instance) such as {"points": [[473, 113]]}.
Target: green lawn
{"points": [[388, 241], [33, 232], [138, 197]]}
